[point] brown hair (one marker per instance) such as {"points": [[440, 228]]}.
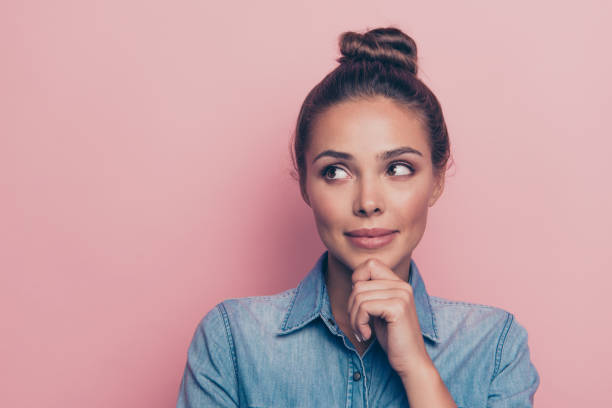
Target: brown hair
{"points": [[382, 61]]}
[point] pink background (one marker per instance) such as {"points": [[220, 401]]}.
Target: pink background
{"points": [[144, 177]]}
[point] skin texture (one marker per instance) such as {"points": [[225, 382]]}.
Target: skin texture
{"points": [[368, 288]]}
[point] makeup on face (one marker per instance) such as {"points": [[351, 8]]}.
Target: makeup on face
{"points": [[373, 238], [370, 181]]}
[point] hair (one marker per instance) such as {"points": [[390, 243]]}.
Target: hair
{"points": [[380, 62]]}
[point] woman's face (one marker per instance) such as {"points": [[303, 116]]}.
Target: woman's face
{"points": [[369, 166]]}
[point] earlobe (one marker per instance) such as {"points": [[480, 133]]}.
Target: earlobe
{"points": [[438, 189], [305, 196]]}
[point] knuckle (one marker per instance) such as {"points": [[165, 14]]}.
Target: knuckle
{"points": [[398, 304], [371, 262], [361, 308]]}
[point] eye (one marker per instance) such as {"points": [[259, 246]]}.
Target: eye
{"points": [[331, 173], [401, 169]]}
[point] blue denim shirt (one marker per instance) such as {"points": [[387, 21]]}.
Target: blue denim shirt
{"points": [[286, 350]]}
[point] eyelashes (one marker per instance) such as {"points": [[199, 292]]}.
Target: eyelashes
{"points": [[332, 170], [404, 165]]}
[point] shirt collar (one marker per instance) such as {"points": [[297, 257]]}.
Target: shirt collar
{"points": [[311, 300]]}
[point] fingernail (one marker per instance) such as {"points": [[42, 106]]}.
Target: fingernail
{"points": [[358, 337]]}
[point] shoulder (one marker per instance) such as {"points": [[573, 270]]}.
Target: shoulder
{"points": [[475, 323], [237, 307], [459, 311], [245, 314], [484, 346]]}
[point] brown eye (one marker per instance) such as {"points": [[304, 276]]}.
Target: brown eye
{"points": [[331, 172], [400, 169]]}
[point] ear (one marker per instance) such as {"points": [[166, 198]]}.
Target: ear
{"points": [[438, 189], [304, 195]]}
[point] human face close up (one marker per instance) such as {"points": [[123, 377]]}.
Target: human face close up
{"points": [[369, 166]]}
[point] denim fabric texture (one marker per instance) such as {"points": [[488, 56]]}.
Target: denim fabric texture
{"points": [[286, 350]]}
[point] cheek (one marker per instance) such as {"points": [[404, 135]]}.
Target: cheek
{"points": [[327, 206], [412, 207], [326, 211]]}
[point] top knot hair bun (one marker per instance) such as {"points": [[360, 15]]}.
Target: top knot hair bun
{"points": [[388, 45]]}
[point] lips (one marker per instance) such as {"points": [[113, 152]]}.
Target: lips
{"points": [[373, 238], [370, 232]]}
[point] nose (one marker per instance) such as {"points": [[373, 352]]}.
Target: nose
{"points": [[368, 199]]}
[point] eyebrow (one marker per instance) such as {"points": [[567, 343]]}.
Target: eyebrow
{"points": [[381, 156]]}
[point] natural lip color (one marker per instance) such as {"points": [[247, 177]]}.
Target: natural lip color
{"points": [[370, 232], [376, 242]]}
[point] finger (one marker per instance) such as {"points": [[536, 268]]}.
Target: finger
{"points": [[363, 288], [396, 297], [387, 309], [373, 269]]}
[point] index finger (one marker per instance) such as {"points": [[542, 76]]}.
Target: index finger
{"points": [[373, 268]]}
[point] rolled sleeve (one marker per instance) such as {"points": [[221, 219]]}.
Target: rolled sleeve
{"points": [[209, 378], [515, 379]]}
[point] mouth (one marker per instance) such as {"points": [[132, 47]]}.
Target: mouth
{"points": [[373, 238]]}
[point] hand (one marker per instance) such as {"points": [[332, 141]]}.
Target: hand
{"points": [[379, 297]]}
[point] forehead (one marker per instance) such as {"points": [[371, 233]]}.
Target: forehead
{"points": [[367, 127]]}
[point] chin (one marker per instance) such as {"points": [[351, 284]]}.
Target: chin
{"points": [[352, 257]]}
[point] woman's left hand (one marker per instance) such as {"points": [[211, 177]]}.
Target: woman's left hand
{"points": [[381, 297]]}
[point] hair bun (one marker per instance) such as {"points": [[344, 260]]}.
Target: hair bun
{"points": [[388, 45]]}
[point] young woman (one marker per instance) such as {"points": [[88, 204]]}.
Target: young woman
{"points": [[360, 330]]}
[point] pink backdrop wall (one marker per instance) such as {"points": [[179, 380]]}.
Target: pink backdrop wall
{"points": [[144, 177]]}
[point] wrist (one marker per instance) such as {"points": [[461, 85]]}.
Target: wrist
{"points": [[425, 388], [416, 366], [418, 372]]}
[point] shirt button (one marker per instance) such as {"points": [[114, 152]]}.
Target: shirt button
{"points": [[357, 376]]}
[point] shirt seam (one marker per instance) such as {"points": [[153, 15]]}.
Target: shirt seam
{"points": [[501, 342], [459, 303], [230, 341], [293, 299], [276, 296], [434, 323]]}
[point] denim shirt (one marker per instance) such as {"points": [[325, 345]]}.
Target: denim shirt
{"points": [[286, 350]]}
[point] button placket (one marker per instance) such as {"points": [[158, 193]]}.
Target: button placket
{"points": [[360, 375], [329, 321]]}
